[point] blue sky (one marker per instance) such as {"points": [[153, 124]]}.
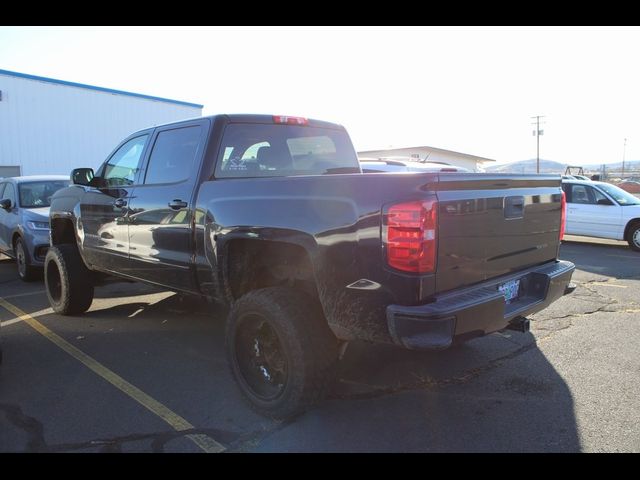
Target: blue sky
{"points": [[467, 89]]}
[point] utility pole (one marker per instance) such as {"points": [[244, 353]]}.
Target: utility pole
{"points": [[624, 151], [537, 132]]}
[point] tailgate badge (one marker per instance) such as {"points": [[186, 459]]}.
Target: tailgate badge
{"points": [[364, 284]]}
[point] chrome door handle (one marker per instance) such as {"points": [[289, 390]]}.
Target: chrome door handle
{"points": [[177, 204], [120, 203]]}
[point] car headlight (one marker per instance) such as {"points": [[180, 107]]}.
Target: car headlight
{"points": [[38, 225]]}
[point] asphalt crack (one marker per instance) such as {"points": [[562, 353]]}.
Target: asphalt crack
{"points": [[430, 383], [157, 440], [29, 425]]}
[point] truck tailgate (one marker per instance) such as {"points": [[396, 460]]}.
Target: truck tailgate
{"points": [[492, 225]]}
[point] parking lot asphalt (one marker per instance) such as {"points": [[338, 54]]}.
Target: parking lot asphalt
{"points": [[144, 370]]}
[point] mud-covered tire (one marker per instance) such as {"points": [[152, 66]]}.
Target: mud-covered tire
{"points": [[633, 236], [307, 351], [26, 272], [68, 281]]}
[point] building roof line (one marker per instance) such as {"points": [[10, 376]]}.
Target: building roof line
{"points": [[483, 159], [99, 89]]}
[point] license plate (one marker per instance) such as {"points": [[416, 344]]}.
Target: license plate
{"points": [[510, 290]]}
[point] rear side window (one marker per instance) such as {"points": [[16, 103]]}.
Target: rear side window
{"points": [[263, 150], [2, 190], [579, 194], [172, 156]]}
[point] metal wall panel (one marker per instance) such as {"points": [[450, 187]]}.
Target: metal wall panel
{"points": [[49, 128]]}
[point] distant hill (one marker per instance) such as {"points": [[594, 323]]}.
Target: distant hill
{"points": [[549, 166], [629, 164], [528, 166]]}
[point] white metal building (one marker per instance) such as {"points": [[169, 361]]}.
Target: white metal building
{"points": [[50, 126], [430, 154]]}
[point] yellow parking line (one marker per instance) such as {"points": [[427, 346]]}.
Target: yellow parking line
{"points": [[39, 313], [178, 423]]}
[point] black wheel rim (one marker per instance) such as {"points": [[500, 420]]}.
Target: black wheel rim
{"points": [[54, 284], [260, 357], [21, 259]]}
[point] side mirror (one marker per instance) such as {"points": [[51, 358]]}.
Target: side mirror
{"points": [[605, 201], [5, 204], [82, 176]]}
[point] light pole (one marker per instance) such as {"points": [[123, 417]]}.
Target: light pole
{"points": [[537, 132], [624, 151]]}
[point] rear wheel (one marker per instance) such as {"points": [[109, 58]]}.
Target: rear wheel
{"points": [[281, 351], [633, 237], [26, 272], [68, 281]]}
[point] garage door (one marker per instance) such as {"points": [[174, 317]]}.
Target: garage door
{"points": [[6, 171]]}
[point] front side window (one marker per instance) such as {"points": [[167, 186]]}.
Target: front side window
{"points": [[38, 194], [122, 167], [173, 154], [10, 193], [264, 150], [598, 195], [2, 190]]}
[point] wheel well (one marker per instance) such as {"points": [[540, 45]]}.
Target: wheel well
{"points": [[630, 223], [15, 238], [254, 264], [62, 231]]}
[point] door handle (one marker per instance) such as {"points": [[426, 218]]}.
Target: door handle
{"points": [[120, 203], [513, 207], [177, 204]]}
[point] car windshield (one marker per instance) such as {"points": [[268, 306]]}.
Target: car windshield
{"points": [[619, 195], [38, 194]]}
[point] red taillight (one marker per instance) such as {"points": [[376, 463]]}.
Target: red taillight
{"points": [[563, 214], [290, 120], [410, 236]]}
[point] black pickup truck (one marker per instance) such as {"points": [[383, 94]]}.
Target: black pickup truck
{"points": [[273, 215]]}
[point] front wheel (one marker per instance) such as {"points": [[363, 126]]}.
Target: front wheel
{"points": [[26, 272], [281, 351], [68, 281], [633, 237]]}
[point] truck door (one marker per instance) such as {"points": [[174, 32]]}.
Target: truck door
{"points": [[161, 230], [104, 210]]}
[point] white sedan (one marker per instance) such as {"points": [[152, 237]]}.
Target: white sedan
{"points": [[599, 209]]}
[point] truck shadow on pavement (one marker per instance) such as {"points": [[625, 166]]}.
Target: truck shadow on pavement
{"points": [[492, 394]]}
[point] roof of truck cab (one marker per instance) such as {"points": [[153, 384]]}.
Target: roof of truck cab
{"points": [[246, 118]]}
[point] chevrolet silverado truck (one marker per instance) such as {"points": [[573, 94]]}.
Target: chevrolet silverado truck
{"points": [[273, 216]]}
